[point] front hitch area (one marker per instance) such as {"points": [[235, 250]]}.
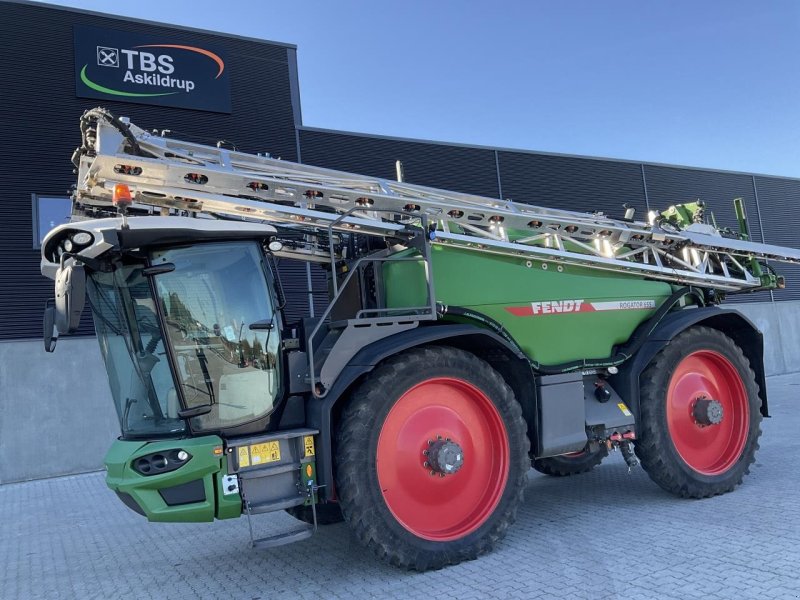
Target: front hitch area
{"points": [[176, 481]]}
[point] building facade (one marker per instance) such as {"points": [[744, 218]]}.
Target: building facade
{"points": [[207, 87]]}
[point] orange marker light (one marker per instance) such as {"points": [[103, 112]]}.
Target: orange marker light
{"points": [[122, 195], [218, 451], [309, 470]]}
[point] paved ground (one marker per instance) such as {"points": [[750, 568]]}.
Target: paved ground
{"points": [[607, 534]]}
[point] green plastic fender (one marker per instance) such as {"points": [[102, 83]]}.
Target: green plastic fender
{"points": [[206, 464]]}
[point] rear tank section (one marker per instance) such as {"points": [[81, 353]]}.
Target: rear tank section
{"points": [[556, 313]]}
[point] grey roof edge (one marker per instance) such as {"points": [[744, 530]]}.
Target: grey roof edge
{"points": [[149, 22], [544, 153]]}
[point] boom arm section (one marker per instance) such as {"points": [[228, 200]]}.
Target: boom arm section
{"points": [[176, 175]]}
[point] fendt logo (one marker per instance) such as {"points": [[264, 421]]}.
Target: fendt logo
{"points": [[560, 307], [130, 67]]}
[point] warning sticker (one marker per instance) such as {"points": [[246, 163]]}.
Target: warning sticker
{"points": [[308, 444], [265, 453], [624, 409], [244, 457]]}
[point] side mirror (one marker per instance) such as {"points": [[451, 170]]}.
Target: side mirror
{"points": [[50, 331], [70, 296]]}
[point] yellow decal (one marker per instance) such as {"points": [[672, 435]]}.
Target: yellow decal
{"points": [[308, 442], [624, 409], [244, 457], [265, 453]]}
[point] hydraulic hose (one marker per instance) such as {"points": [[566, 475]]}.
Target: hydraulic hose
{"points": [[97, 114], [621, 353]]}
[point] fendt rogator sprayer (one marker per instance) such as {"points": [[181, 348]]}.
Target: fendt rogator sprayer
{"points": [[466, 338]]}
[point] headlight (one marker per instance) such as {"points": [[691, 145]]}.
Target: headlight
{"points": [[161, 462], [82, 238]]}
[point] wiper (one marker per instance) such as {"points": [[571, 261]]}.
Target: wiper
{"points": [[194, 412], [201, 357], [128, 403], [262, 325], [98, 314]]}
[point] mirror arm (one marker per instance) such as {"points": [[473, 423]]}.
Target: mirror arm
{"points": [[49, 325]]}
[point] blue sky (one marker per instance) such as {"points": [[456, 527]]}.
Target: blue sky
{"points": [[712, 84]]}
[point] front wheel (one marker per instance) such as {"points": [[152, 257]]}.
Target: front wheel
{"points": [[700, 415], [431, 458]]}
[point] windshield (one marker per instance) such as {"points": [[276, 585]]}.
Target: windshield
{"points": [[136, 363], [217, 311]]}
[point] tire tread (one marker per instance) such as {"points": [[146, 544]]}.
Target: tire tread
{"points": [[653, 446], [354, 429]]}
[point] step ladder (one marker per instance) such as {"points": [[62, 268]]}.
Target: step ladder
{"points": [[169, 174], [269, 472]]}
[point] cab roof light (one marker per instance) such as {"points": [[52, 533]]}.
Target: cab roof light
{"points": [[122, 196]]}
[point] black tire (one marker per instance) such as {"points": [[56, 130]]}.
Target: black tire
{"points": [[327, 514], [656, 446], [566, 464], [356, 456]]}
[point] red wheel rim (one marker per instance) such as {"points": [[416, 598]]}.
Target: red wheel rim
{"points": [[431, 506], [708, 449]]}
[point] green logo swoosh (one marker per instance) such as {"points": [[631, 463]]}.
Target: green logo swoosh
{"points": [[99, 88]]}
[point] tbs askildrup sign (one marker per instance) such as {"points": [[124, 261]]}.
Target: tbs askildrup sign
{"points": [[120, 65]]}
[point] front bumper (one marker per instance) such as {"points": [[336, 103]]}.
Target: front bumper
{"points": [[191, 493]]}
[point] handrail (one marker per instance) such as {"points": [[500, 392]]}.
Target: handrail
{"points": [[354, 268]]}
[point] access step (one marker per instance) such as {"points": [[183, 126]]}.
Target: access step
{"points": [[279, 539], [286, 537], [265, 507]]}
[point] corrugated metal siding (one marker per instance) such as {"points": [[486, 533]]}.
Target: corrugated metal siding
{"points": [[294, 280], [572, 183], [779, 200], [674, 185], [469, 170], [39, 134]]}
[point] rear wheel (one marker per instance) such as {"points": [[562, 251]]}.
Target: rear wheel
{"points": [[573, 463], [431, 458], [700, 415]]}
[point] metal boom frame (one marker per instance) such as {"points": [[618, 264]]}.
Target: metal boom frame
{"points": [[174, 174]]}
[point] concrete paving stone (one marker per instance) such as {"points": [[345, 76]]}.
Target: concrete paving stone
{"points": [[600, 536]]}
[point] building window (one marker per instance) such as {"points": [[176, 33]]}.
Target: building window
{"points": [[48, 212]]}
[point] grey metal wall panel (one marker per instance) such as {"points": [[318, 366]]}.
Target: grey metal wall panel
{"points": [[779, 200], [572, 183], [469, 170], [39, 123]]}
